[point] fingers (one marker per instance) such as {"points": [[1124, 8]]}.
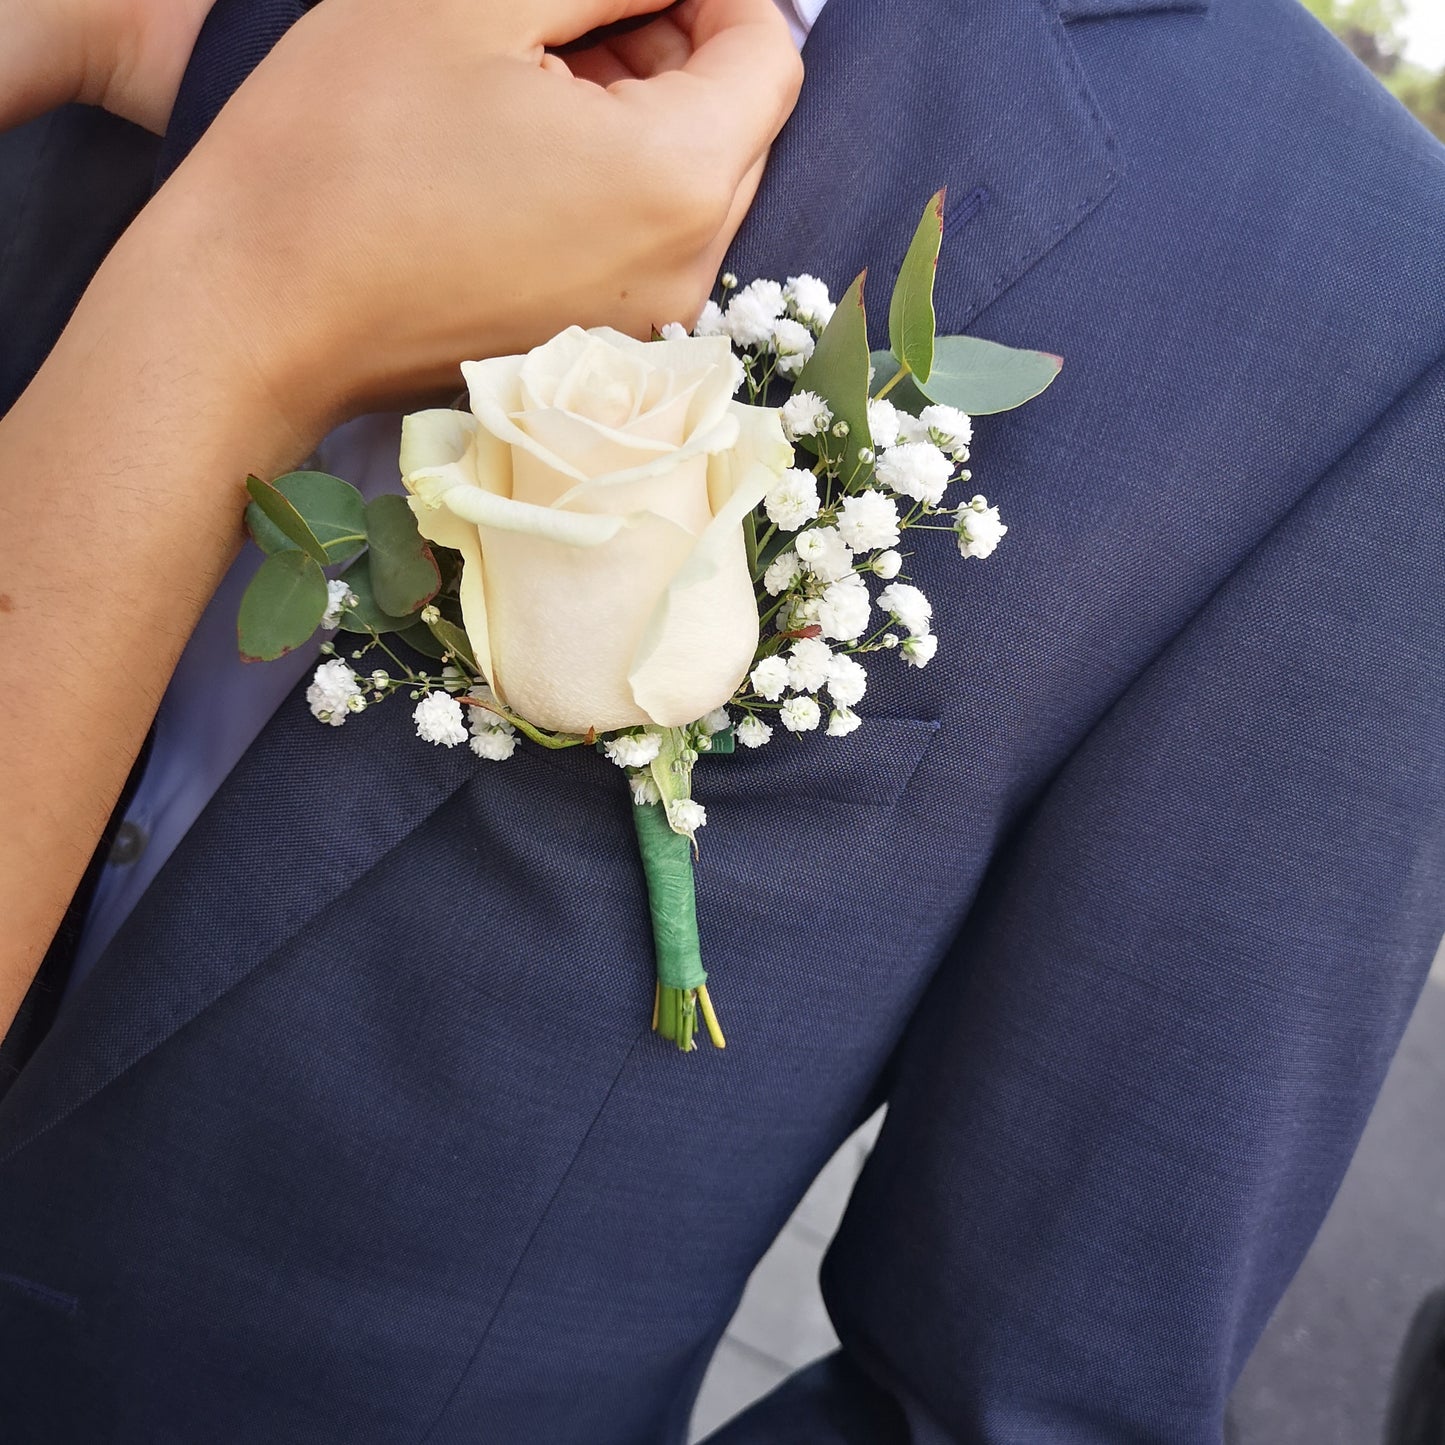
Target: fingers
{"points": [[557, 22], [655, 49], [740, 82], [660, 46]]}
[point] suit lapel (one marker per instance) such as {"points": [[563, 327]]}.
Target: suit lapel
{"points": [[904, 96], [301, 818], [901, 98]]}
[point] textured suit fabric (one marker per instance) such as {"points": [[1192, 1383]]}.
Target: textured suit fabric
{"points": [[356, 1134]]}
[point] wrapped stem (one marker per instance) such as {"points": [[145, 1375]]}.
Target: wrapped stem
{"points": [[681, 978]]}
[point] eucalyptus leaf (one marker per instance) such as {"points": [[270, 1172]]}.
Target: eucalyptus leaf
{"points": [[277, 526], [367, 613], [455, 641], [903, 394], [332, 510], [838, 371], [419, 638], [911, 321], [282, 607], [981, 377], [404, 573]]}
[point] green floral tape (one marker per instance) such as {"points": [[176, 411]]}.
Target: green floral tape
{"points": [[667, 862]]}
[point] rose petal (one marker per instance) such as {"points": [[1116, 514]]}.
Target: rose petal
{"points": [[700, 640], [566, 620]]}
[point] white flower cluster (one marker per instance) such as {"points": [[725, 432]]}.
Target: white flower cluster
{"points": [[335, 693], [845, 531], [780, 323], [338, 598], [826, 537], [637, 751]]}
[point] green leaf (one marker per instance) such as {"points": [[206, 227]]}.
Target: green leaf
{"points": [[329, 510], [455, 641], [282, 607], [838, 371], [287, 527], [911, 322], [904, 394], [981, 377], [403, 571], [419, 638], [368, 612]]}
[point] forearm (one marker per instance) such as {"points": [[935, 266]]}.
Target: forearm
{"points": [[121, 471]]}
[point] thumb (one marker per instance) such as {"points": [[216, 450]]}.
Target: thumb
{"points": [[741, 81]]}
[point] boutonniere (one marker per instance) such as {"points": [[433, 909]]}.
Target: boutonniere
{"points": [[609, 550]]}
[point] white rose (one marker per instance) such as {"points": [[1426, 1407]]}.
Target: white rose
{"points": [[596, 493]]}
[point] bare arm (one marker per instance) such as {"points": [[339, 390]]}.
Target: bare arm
{"points": [[270, 290]]}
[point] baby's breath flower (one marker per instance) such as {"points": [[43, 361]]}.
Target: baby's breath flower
{"points": [[438, 719], [868, 520], [979, 529], [431, 613], [886, 565], [842, 721], [793, 343], [808, 664], [715, 722], [797, 613], [808, 300], [847, 680], [738, 371], [379, 679], [824, 553], [644, 789], [947, 427], [633, 750], [883, 423], [686, 815], [356, 704], [482, 718], [753, 732], [800, 715], [338, 598], [770, 678], [673, 331], [711, 322], [805, 414], [494, 745], [332, 688], [793, 499], [918, 651], [844, 608], [916, 469], [751, 313], [783, 571], [908, 606]]}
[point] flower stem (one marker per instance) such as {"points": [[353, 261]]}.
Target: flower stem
{"points": [[714, 1029], [903, 370]]}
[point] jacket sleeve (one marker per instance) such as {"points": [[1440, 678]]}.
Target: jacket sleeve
{"points": [[1130, 1094]]}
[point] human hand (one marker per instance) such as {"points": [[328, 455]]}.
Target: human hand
{"points": [[126, 56], [453, 191]]}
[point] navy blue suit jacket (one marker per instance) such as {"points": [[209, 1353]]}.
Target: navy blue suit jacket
{"points": [[357, 1133]]}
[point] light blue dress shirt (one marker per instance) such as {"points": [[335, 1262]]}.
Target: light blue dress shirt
{"points": [[216, 705]]}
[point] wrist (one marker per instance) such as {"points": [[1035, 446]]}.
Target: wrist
{"points": [[45, 59], [181, 284]]}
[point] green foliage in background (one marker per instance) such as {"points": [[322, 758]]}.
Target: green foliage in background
{"points": [[1371, 28]]}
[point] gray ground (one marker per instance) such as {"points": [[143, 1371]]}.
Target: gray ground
{"points": [[1321, 1373]]}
